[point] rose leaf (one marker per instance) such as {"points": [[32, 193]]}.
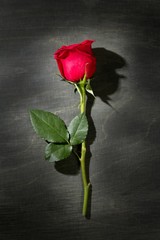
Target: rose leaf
{"points": [[78, 129], [49, 126], [55, 152]]}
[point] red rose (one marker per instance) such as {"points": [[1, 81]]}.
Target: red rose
{"points": [[76, 60]]}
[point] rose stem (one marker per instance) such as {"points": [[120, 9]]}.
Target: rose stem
{"points": [[86, 183]]}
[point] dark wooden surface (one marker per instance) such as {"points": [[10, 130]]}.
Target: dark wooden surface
{"points": [[41, 201]]}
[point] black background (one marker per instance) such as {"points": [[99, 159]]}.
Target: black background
{"points": [[41, 201]]}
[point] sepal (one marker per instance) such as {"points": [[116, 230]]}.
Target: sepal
{"points": [[89, 88]]}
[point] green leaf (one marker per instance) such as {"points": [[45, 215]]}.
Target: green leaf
{"points": [[49, 126], [78, 129], [55, 152], [89, 88]]}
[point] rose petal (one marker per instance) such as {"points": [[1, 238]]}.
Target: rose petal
{"points": [[76, 60], [85, 46]]}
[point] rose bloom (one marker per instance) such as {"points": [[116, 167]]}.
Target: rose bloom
{"points": [[76, 60]]}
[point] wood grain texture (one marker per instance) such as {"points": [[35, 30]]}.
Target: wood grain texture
{"points": [[41, 201]]}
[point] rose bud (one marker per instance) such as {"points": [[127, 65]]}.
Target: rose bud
{"points": [[76, 60]]}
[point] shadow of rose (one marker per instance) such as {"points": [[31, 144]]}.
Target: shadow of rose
{"points": [[105, 83], [106, 79]]}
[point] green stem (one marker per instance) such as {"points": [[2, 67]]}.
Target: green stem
{"points": [[86, 183]]}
